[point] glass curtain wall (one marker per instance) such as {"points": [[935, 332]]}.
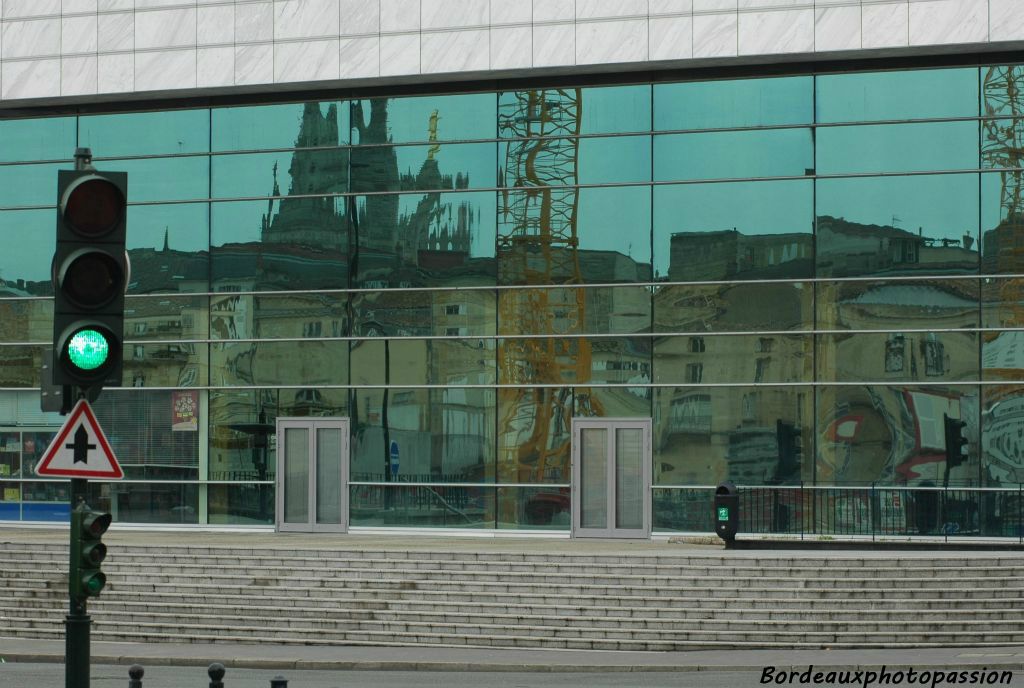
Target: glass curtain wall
{"points": [[795, 277]]}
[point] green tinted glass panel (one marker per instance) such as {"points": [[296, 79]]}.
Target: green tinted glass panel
{"points": [[146, 133], [621, 159], [297, 173], [898, 147], [885, 305], [701, 434], [25, 265], [887, 434], [167, 179], [700, 359], [52, 138], [603, 310], [279, 363], [723, 155], [242, 504], [568, 111], [734, 103], [27, 185], [1000, 424], [897, 225], [918, 94], [1002, 223], [1001, 302], [868, 357], [738, 307], [298, 125], [422, 506], [746, 230], [423, 118], [169, 248]]}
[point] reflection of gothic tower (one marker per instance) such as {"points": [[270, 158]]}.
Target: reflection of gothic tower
{"points": [[375, 168], [315, 221]]}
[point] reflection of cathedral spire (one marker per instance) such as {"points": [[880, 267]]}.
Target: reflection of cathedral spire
{"points": [[304, 217]]}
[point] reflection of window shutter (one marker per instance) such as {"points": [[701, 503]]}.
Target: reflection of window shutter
{"points": [[138, 426]]}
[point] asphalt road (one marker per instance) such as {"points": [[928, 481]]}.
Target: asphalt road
{"points": [[31, 675]]}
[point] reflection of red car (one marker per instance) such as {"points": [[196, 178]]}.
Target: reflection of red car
{"points": [[542, 507]]}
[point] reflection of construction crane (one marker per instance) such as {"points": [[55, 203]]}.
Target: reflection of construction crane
{"points": [[538, 245], [1003, 96]]}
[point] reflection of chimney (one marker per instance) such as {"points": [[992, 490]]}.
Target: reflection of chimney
{"points": [[968, 241]]}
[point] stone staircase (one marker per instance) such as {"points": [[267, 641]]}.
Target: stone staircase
{"points": [[395, 596]]}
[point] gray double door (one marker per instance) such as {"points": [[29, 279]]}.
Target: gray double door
{"points": [[312, 474], [611, 478]]}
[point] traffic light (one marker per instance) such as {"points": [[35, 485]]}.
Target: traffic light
{"points": [[87, 552], [955, 441], [90, 273]]}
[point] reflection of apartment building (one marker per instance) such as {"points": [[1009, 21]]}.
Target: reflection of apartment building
{"points": [[730, 253]]}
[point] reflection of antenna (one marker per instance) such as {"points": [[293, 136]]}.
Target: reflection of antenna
{"points": [[895, 220]]}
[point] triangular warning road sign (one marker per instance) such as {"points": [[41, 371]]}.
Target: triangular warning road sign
{"points": [[80, 449]]}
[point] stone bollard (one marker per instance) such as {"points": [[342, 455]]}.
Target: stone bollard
{"points": [[135, 673], [216, 672], [279, 682]]}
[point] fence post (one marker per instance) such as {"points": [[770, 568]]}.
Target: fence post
{"points": [[216, 672], [278, 682], [135, 673], [873, 511]]}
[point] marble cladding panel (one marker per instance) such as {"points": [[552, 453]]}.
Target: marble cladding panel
{"points": [[606, 42], [158, 70], [78, 75], [116, 31], [885, 25], [110, 46], [554, 44], [359, 57], [254, 22], [306, 60], [358, 17], [776, 32], [215, 66], [30, 38], [454, 14], [455, 51], [1006, 20], [14, 9], [78, 35], [399, 15], [671, 38], [400, 54], [215, 25], [78, 6], [305, 19], [837, 28], [511, 12], [933, 22], [115, 73], [657, 8], [30, 79], [173, 28], [254, 64], [511, 47], [602, 9], [714, 35]]}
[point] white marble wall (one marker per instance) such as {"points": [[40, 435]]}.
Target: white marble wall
{"points": [[56, 48]]}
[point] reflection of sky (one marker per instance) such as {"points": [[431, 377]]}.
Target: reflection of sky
{"points": [[152, 133], [186, 225], [898, 148], [262, 126], [898, 95], [733, 103], [469, 116], [28, 256], [750, 207], [944, 205], [52, 138], [616, 219]]}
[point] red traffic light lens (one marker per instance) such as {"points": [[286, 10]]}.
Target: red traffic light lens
{"points": [[92, 279], [98, 525], [94, 207]]}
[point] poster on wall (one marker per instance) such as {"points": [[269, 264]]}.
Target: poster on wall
{"points": [[184, 411]]}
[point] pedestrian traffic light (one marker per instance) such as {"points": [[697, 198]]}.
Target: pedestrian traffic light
{"points": [[87, 552], [90, 273], [956, 443]]}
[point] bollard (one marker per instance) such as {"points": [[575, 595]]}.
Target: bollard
{"points": [[216, 672], [135, 673], [279, 682]]}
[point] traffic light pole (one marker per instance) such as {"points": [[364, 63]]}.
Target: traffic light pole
{"points": [[77, 622]]}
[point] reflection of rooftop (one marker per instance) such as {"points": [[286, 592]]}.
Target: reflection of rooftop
{"points": [[918, 295]]}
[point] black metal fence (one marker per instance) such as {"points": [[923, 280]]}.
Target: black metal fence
{"points": [[216, 672], [871, 510]]}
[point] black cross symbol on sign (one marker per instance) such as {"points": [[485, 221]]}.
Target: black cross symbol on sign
{"points": [[81, 445]]}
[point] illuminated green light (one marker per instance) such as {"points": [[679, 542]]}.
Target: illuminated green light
{"points": [[88, 349], [723, 513], [95, 583]]}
